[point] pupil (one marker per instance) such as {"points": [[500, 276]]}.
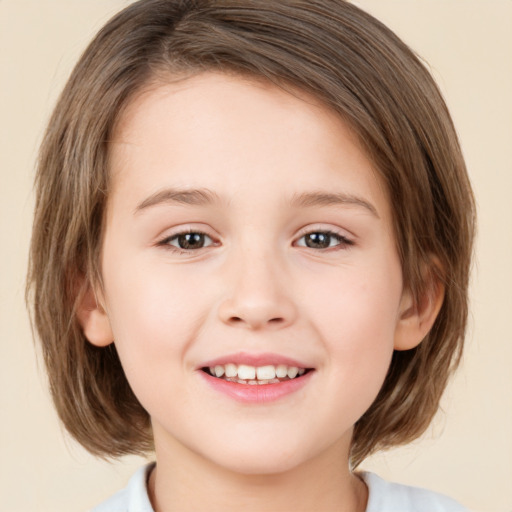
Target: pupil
{"points": [[318, 240], [191, 240]]}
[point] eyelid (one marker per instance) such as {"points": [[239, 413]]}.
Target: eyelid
{"points": [[345, 240], [164, 241], [322, 228]]}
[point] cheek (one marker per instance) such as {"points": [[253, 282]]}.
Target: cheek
{"points": [[356, 315], [152, 315], [356, 303]]}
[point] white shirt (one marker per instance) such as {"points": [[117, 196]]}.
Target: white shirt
{"points": [[383, 497]]}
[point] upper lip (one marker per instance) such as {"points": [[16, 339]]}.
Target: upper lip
{"points": [[256, 360]]}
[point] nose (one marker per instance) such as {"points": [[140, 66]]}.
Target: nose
{"points": [[258, 295]]}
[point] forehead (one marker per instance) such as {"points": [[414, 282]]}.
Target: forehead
{"points": [[196, 130], [205, 100]]}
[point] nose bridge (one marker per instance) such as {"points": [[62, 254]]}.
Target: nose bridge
{"points": [[257, 293]]}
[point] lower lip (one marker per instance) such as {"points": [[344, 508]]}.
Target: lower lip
{"points": [[257, 393]]}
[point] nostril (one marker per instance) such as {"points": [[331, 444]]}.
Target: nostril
{"points": [[272, 321], [256, 311]]}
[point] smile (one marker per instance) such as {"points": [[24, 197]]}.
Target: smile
{"points": [[256, 379], [255, 375]]}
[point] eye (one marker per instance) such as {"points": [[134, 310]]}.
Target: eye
{"points": [[323, 240], [188, 241]]}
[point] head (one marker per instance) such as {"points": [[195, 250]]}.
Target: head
{"points": [[326, 52]]}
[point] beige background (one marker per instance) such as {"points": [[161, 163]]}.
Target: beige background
{"points": [[468, 451]]}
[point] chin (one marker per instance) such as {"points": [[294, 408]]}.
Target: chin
{"points": [[261, 456], [265, 465]]}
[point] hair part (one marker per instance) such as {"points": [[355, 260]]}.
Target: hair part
{"points": [[329, 48]]}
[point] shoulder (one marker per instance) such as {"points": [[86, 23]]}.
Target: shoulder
{"points": [[383, 497], [391, 497], [133, 498]]}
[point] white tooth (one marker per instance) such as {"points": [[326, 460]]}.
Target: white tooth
{"points": [[262, 381], [246, 372], [266, 372], [292, 372], [219, 370], [231, 370], [281, 371], [302, 371], [252, 382], [212, 370]]}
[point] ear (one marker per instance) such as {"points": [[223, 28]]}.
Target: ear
{"points": [[416, 317], [93, 318]]}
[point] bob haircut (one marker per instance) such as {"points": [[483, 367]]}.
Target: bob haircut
{"points": [[330, 49]]}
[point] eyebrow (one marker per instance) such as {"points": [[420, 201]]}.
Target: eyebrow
{"points": [[205, 197], [320, 198], [193, 197]]}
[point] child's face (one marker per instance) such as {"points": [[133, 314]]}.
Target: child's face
{"points": [[297, 265]]}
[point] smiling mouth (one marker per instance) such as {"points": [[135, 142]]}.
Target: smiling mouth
{"points": [[256, 375]]}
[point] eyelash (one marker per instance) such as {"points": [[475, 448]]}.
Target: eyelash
{"points": [[166, 242], [343, 242]]}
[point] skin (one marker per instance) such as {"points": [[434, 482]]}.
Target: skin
{"points": [[255, 286]]}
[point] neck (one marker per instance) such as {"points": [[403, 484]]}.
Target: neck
{"points": [[184, 480]]}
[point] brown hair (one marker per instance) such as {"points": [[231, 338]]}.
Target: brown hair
{"points": [[332, 50]]}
